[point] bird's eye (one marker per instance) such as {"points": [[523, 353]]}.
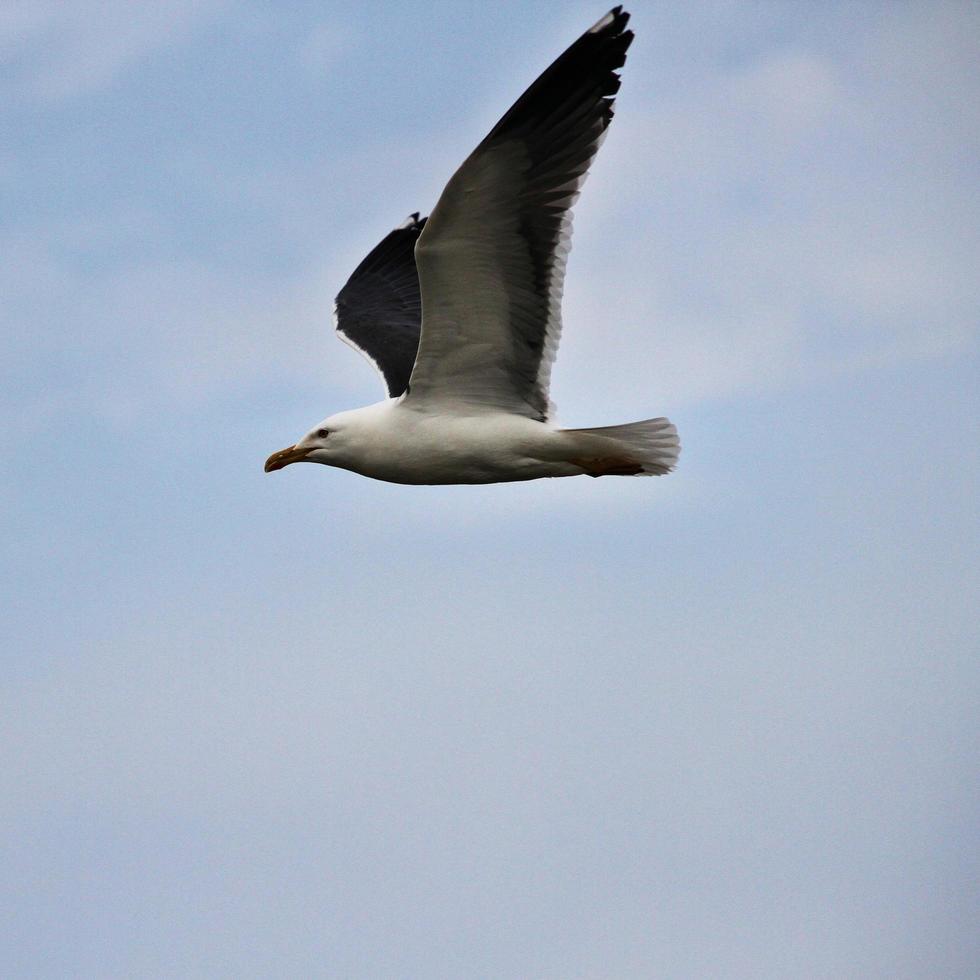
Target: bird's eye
{"points": [[322, 433]]}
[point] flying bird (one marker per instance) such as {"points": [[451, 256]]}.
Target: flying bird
{"points": [[460, 312]]}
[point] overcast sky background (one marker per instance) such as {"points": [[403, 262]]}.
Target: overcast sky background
{"points": [[722, 724]]}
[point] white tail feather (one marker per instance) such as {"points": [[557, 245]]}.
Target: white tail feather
{"points": [[647, 448]]}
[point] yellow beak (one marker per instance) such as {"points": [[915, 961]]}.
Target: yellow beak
{"points": [[291, 454]]}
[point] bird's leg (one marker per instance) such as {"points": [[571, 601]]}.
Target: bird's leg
{"points": [[608, 466]]}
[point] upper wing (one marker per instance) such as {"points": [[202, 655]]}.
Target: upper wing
{"points": [[492, 258], [379, 311]]}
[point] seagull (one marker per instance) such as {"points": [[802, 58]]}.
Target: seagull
{"points": [[460, 312]]}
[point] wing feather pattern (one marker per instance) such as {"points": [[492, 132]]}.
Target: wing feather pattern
{"points": [[379, 310], [491, 260]]}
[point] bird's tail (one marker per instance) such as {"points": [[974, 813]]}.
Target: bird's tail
{"points": [[647, 448]]}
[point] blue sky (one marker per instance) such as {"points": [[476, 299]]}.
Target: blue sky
{"points": [[720, 724]]}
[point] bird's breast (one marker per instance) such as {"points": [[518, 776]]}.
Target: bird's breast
{"points": [[411, 447]]}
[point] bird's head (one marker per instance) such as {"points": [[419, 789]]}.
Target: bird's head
{"points": [[319, 445]]}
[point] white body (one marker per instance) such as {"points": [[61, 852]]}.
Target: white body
{"points": [[395, 442], [390, 441]]}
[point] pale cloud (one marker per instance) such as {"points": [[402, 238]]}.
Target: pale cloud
{"points": [[255, 725], [788, 92], [61, 51], [322, 48], [795, 217], [743, 234]]}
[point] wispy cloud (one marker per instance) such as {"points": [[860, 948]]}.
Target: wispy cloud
{"points": [[803, 213], [322, 48], [800, 213], [60, 51], [257, 725]]}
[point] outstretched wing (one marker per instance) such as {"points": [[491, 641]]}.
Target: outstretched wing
{"points": [[379, 310], [492, 257]]}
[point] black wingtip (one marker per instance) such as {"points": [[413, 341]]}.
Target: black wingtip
{"points": [[585, 74], [413, 221], [612, 23]]}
